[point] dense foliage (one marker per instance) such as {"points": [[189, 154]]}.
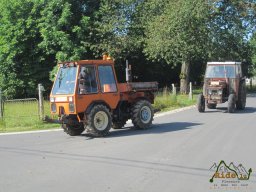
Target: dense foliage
{"points": [[164, 40]]}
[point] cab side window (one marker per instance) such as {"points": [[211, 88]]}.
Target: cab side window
{"points": [[107, 79], [87, 80]]}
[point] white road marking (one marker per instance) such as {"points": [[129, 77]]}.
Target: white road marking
{"points": [[27, 132]]}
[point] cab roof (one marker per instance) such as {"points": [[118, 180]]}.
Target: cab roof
{"points": [[224, 63], [88, 62]]}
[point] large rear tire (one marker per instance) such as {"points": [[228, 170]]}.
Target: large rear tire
{"points": [[201, 103], [241, 100], [142, 114], [99, 121], [231, 103]]}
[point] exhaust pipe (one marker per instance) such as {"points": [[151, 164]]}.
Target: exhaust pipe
{"points": [[128, 72]]}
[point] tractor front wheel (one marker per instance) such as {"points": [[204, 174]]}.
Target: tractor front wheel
{"points": [[99, 120], [201, 103], [142, 114], [72, 127], [231, 103], [73, 131]]}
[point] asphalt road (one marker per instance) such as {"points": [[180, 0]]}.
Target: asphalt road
{"points": [[174, 155]]}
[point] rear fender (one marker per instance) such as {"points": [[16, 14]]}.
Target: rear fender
{"points": [[143, 98]]}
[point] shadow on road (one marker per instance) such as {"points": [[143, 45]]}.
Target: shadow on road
{"points": [[217, 110], [224, 110], [155, 129], [246, 110]]}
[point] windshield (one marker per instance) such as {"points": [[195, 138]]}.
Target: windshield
{"points": [[65, 81], [220, 71]]}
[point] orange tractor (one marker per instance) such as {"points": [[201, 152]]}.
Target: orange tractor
{"points": [[86, 95]]}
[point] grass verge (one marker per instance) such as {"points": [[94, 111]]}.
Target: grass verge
{"points": [[167, 101], [23, 116]]}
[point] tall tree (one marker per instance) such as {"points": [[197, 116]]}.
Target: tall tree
{"points": [[34, 34], [231, 24], [20, 57], [178, 35], [252, 71], [112, 27], [65, 28]]}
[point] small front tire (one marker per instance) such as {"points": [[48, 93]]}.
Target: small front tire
{"points": [[241, 100], [73, 131], [231, 103], [201, 103]]}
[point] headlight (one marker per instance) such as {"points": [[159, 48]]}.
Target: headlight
{"points": [[220, 92], [70, 99], [71, 107]]}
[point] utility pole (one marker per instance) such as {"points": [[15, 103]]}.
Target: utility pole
{"points": [[41, 101], [190, 91]]}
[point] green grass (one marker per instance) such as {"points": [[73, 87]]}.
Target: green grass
{"points": [[24, 116], [251, 89], [166, 101]]}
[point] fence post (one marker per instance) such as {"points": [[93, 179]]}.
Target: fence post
{"points": [[1, 105], [173, 89], [41, 101], [190, 91]]}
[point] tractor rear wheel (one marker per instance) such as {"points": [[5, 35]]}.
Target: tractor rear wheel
{"points": [[211, 106], [231, 103], [241, 100], [201, 103], [99, 120], [142, 114]]}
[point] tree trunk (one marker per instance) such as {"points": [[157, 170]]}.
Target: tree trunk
{"points": [[184, 77]]}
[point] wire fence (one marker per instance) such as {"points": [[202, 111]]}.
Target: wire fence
{"points": [[21, 108], [170, 90], [24, 114]]}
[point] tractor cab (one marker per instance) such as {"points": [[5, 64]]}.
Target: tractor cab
{"points": [[78, 83]]}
